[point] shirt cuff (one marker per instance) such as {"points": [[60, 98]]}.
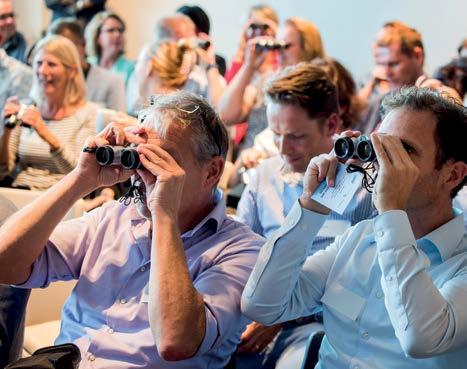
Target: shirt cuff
{"points": [[392, 230]]}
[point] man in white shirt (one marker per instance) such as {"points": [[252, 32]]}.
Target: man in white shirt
{"points": [[392, 289]]}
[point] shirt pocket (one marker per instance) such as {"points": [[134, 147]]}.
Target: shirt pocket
{"points": [[343, 301]]}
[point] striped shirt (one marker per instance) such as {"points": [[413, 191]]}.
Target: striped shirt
{"points": [[271, 193], [31, 162]]}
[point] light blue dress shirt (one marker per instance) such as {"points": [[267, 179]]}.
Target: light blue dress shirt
{"points": [[108, 252], [388, 300], [271, 193]]}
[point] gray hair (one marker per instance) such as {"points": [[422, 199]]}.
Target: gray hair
{"points": [[188, 111]]}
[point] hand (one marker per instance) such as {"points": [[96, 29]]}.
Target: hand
{"points": [[397, 174], [322, 167], [251, 157], [425, 82], [256, 337], [163, 178], [11, 107], [206, 57], [254, 57], [33, 118], [94, 175]]}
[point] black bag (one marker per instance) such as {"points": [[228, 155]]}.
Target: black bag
{"points": [[66, 356]]}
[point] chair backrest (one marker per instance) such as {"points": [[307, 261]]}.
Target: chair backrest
{"points": [[21, 198], [312, 350]]}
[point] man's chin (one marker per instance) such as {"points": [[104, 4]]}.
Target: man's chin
{"points": [[295, 166]]}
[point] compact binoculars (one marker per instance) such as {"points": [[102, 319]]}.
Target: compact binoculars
{"points": [[126, 157], [270, 44], [359, 148]]}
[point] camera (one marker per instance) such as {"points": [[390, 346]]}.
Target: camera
{"points": [[194, 43], [127, 157], [270, 44], [12, 120], [355, 147]]}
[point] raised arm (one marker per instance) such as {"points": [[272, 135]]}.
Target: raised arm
{"points": [[24, 235]]}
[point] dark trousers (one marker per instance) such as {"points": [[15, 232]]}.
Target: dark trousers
{"points": [[13, 303]]}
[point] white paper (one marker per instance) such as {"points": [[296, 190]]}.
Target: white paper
{"points": [[337, 198]]}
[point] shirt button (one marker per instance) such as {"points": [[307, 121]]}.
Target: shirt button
{"points": [[379, 294], [303, 227], [388, 278], [110, 330], [122, 301], [365, 335], [91, 357], [380, 234], [142, 269]]}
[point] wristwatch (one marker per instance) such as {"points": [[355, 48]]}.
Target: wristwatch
{"points": [[209, 66]]}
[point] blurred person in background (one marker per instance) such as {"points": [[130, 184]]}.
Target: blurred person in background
{"points": [[83, 10], [45, 146], [303, 39], [103, 87], [199, 60], [11, 40], [160, 69], [105, 44], [454, 74], [15, 77], [399, 51], [203, 27], [262, 21]]}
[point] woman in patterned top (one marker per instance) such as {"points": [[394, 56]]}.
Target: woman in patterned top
{"points": [[46, 146]]}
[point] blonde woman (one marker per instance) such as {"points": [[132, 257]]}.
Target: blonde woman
{"points": [[105, 44], [304, 42], [162, 67], [45, 147]]}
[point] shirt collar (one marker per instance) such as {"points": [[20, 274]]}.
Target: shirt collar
{"points": [[447, 237], [291, 178], [217, 215]]}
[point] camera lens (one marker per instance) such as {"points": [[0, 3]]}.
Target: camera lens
{"points": [[344, 148], [130, 159], [365, 151]]}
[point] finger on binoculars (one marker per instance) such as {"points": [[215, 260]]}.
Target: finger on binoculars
{"points": [[350, 133]]}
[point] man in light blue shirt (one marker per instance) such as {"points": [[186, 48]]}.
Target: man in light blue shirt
{"points": [[159, 281], [392, 289], [302, 110]]}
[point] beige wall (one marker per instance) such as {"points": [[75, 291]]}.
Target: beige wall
{"points": [[347, 27]]}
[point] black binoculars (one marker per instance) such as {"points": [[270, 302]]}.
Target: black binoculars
{"points": [[127, 157], [270, 44], [359, 148], [12, 120]]}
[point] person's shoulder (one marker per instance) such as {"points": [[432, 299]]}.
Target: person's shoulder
{"points": [[270, 169], [237, 233], [99, 74]]}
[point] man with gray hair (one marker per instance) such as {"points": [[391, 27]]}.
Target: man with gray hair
{"points": [[159, 280]]}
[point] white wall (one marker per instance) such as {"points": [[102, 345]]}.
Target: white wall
{"points": [[347, 27]]}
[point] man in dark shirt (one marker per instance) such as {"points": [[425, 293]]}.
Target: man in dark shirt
{"points": [[13, 42]]}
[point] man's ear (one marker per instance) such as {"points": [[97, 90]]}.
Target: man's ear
{"points": [[331, 125], [215, 169], [455, 175], [418, 54]]}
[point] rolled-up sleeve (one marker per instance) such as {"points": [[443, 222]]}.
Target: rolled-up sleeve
{"points": [[221, 287], [63, 255]]}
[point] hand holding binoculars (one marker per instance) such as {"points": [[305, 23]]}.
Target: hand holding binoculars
{"points": [[359, 148]]}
